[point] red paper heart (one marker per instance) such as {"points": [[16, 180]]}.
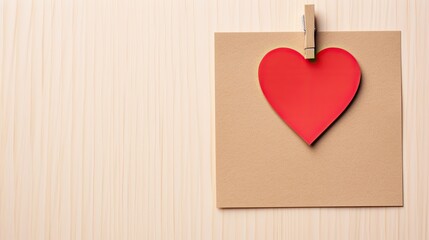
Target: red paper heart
{"points": [[309, 95]]}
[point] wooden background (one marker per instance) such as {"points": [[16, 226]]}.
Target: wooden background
{"points": [[106, 110]]}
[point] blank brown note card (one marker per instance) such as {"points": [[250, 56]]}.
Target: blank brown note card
{"points": [[262, 162]]}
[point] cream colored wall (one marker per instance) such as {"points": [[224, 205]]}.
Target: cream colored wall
{"points": [[105, 115]]}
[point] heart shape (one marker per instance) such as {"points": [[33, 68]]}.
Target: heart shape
{"points": [[309, 95]]}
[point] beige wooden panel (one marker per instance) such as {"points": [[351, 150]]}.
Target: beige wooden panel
{"points": [[106, 110]]}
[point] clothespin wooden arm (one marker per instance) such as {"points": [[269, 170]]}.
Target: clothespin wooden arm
{"points": [[309, 32]]}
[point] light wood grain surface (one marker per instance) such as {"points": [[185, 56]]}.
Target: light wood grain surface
{"points": [[106, 113]]}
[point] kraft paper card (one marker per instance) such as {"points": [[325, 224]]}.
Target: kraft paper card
{"points": [[262, 162]]}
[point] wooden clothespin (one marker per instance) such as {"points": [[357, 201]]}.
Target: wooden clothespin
{"points": [[309, 32]]}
